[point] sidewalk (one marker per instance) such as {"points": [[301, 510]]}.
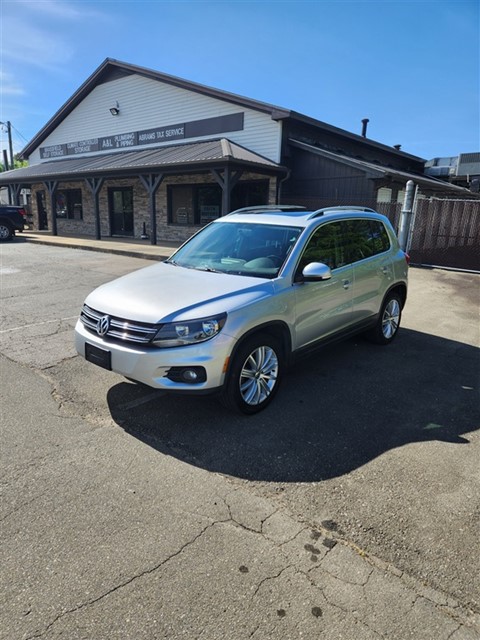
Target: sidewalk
{"points": [[122, 246]]}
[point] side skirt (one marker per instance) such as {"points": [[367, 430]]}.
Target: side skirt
{"points": [[360, 327]]}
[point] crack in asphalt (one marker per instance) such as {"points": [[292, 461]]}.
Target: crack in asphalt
{"points": [[328, 534], [124, 583], [268, 578], [288, 566]]}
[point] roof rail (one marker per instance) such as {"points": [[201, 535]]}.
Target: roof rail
{"points": [[269, 207], [320, 212]]}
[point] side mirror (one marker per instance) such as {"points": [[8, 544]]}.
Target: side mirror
{"points": [[316, 271]]}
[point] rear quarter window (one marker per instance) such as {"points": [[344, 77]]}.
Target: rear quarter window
{"points": [[380, 237]]}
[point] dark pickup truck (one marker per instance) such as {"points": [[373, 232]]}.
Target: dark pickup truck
{"points": [[12, 219]]}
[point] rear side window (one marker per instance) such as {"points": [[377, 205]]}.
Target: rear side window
{"points": [[365, 238], [381, 241]]}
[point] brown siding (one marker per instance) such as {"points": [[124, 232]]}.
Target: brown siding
{"points": [[319, 182]]}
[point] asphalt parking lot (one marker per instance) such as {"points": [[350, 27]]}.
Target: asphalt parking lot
{"points": [[366, 451]]}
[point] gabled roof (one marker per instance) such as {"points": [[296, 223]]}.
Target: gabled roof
{"points": [[111, 69], [211, 153]]}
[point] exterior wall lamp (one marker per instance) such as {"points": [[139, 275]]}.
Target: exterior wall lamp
{"points": [[115, 110]]}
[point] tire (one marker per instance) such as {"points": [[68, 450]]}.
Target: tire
{"points": [[6, 231], [254, 375], [388, 320]]}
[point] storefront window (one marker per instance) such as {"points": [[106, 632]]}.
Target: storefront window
{"points": [[180, 205], [69, 204], [194, 204], [209, 203], [199, 204], [249, 194]]}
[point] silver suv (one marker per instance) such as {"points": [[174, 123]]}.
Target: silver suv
{"points": [[249, 292]]}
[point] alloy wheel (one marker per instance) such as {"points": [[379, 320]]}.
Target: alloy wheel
{"points": [[391, 319], [259, 375]]}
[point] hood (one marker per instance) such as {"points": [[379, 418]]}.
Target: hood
{"points": [[165, 292]]}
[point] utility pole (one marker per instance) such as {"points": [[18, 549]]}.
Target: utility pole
{"points": [[8, 124], [5, 159]]}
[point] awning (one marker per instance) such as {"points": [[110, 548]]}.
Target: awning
{"points": [[172, 159]]}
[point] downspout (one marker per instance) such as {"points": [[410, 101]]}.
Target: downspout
{"points": [[406, 215], [414, 217], [278, 191], [279, 186]]}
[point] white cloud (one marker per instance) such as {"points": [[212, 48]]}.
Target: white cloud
{"points": [[60, 10], [39, 47], [39, 33], [9, 86]]}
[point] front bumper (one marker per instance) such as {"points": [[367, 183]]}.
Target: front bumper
{"points": [[151, 365]]}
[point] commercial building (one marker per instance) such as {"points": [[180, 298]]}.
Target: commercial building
{"points": [[135, 152]]}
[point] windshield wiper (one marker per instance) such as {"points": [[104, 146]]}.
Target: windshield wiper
{"points": [[205, 267], [178, 264]]}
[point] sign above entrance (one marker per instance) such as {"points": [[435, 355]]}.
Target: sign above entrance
{"points": [[194, 129]]}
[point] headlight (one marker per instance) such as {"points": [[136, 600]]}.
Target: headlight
{"points": [[178, 334]]}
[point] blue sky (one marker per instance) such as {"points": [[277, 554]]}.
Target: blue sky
{"points": [[410, 66]]}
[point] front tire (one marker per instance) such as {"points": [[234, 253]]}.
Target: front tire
{"points": [[6, 231], [255, 375], [388, 321]]}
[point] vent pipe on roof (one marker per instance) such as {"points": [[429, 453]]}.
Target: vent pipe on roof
{"points": [[365, 122], [397, 146]]}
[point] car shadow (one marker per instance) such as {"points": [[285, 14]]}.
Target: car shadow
{"points": [[337, 410]]}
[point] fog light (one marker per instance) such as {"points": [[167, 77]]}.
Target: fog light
{"points": [[188, 375]]}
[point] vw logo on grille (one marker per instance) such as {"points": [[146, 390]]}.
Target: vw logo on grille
{"points": [[103, 325]]}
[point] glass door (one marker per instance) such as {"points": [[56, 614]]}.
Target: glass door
{"points": [[121, 211]]}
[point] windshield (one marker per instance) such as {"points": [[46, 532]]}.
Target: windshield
{"points": [[248, 249]]}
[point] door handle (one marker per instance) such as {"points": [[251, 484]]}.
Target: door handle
{"points": [[346, 284]]}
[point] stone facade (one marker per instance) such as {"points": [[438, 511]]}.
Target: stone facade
{"points": [[165, 230]]}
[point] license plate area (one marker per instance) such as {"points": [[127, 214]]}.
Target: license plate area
{"points": [[100, 357]]}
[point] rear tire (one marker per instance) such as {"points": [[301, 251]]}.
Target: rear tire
{"points": [[388, 321], [254, 375]]}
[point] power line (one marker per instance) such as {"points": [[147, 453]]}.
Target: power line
{"points": [[20, 134]]}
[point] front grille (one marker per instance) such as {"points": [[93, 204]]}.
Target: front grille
{"points": [[118, 328]]}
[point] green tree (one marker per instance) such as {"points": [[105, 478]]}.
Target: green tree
{"points": [[17, 163]]}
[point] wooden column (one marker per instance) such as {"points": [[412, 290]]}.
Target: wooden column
{"points": [[51, 187], [16, 188], [227, 182], [95, 184], [151, 182]]}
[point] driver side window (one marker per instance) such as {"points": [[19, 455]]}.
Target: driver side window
{"points": [[324, 246]]}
